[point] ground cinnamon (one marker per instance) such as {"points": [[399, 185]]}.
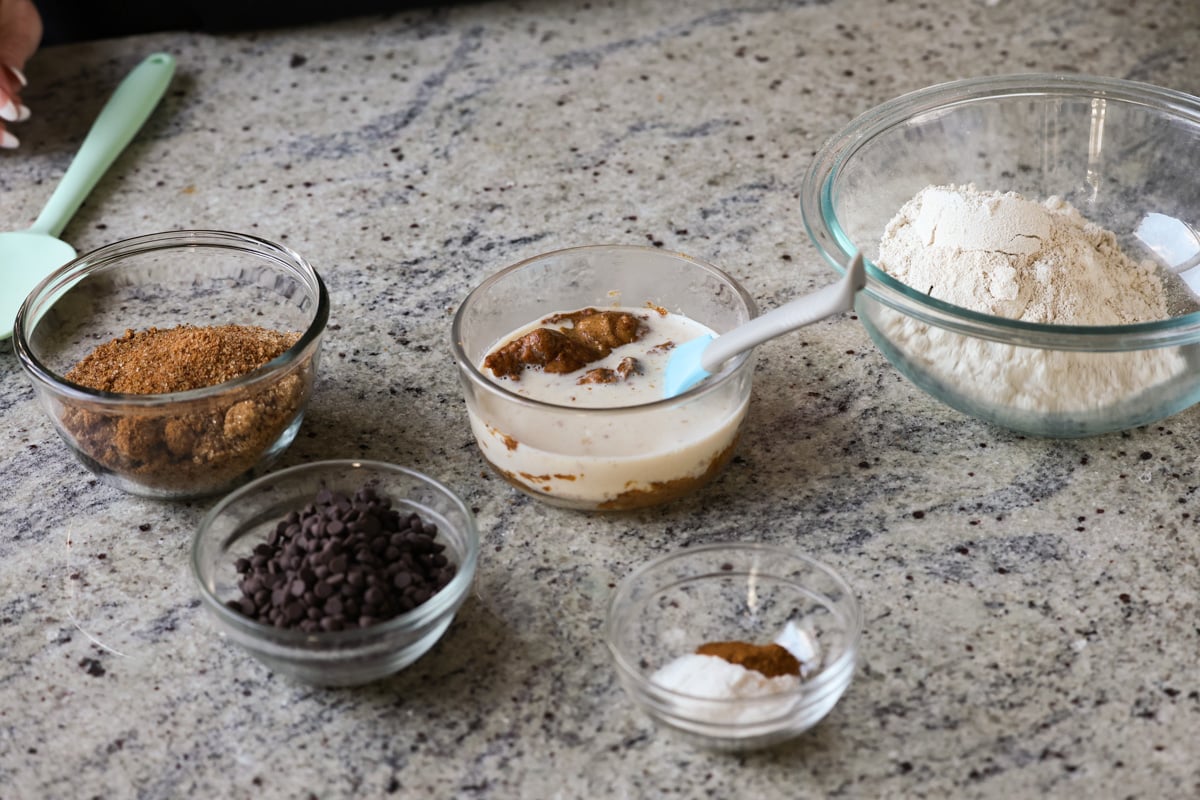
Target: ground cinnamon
{"points": [[772, 660], [586, 335], [627, 366]]}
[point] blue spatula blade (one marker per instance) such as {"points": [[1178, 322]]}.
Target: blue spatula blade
{"points": [[683, 367]]}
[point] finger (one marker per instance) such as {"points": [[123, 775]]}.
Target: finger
{"points": [[12, 80], [14, 111], [10, 87], [11, 107], [18, 74], [7, 140]]}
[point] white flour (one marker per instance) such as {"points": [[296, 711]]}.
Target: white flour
{"points": [[1004, 255]]}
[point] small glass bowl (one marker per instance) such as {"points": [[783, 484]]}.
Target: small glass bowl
{"points": [[182, 444], [1115, 150], [246, 518], [733, 592], [570, 456]]}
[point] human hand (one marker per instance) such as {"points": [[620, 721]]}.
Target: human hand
{"points": [[20, 34]]}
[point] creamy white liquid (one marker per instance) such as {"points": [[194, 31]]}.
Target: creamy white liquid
{"points": [[591, 458]]}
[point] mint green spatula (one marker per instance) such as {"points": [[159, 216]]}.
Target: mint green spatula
{"points": [[28, 256]]}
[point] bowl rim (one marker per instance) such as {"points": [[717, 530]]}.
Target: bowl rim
{"points": [[825, 233], [711, 384], [827, 679], [445, 600], [96, 260]]}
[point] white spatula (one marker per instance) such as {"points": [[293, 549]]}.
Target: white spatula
{"points": [[693, 361]]}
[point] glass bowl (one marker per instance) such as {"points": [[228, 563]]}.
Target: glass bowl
{"points": [[1113, 149], [603, 458], [186, 443], [246, 518], [745, 592]]}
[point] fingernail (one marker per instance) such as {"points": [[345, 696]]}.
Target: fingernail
{"points": [[23, 112], [8, 141], [20, 76], [8, 112]]}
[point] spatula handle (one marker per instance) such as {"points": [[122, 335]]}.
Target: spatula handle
{"points": [[802, 311], [121, 117]]}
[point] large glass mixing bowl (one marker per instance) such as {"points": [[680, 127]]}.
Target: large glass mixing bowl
{"points": [[1123, 153]]}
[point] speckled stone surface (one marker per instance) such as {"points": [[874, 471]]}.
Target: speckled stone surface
{"points": [[1030, 605]]}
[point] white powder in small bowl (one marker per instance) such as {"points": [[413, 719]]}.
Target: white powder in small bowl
{"points": [[714, 678]]}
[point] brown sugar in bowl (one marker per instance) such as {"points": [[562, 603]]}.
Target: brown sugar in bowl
{"points": [[176, 364]]}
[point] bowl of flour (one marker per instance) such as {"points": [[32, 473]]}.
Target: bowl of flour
{"points": [[1033, 257]]}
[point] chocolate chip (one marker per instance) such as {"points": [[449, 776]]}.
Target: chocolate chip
{"points": [[93, 667], [342, 561]]}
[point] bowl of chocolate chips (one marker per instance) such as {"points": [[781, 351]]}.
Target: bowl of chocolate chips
{"points": [[336, 573]]}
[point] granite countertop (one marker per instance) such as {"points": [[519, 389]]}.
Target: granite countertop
{"points": [[1030, 605]]}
